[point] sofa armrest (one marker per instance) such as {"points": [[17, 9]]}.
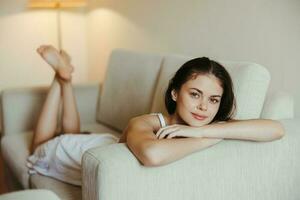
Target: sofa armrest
{"points": [[228, 169], [278, 105], [21, 107]]}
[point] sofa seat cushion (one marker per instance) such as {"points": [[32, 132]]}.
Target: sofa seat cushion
{"points": [[63, 190], [100, 128]]}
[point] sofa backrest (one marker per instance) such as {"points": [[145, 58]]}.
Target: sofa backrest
{"points": [[128, 88], [21, 107], [250, 83]]}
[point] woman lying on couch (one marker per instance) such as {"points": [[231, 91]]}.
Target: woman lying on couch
{"points": [[200, 103]]}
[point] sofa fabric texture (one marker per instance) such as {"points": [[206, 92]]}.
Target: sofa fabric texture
{"points": [[128, 88]]}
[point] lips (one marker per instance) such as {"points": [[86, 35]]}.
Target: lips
{"points": [[199, 117]]}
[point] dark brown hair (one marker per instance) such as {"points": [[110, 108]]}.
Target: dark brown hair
{"points": [[204, 66]]}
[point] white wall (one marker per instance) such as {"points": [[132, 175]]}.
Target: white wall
{"points": [[262, 31], [24, 29]]}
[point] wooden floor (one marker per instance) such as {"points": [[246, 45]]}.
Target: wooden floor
{"points": [[3, 187]]}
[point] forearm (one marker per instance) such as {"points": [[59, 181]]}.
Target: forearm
{"points": [[255, 130], [166, 151]]}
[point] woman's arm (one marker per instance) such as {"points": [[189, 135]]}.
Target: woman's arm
{"points": [[262, 130], [150, 151], [169, 150]]}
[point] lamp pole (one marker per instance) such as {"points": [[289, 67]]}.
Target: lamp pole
{"points": [[57, 4], [58, 22]]}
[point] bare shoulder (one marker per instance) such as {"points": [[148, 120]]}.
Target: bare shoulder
{"points": [[142, 127], [147, 121]]}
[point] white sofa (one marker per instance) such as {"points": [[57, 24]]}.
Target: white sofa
{"points": [[134, 85]]}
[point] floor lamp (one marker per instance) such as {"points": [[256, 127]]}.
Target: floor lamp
{"points": [[57, 4]]}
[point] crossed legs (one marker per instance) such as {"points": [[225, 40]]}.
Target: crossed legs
{"points": [[60, 90]]}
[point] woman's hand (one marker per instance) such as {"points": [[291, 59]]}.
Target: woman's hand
{"points": [[178, 130]]}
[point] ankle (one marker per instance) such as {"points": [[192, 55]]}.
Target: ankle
{"points": [[63, 81]]}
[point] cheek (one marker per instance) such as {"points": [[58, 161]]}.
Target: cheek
{"points": [[214, 110], [188, 103]]}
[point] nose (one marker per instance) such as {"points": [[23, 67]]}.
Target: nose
{"points": [[202, 105]]}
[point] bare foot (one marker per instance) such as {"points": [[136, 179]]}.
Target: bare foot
{"points": [[65, 55], [59, 61]]}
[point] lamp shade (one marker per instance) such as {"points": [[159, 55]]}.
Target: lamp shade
{"points": [[56, 3]]}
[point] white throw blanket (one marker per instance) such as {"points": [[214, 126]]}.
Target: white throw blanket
{"points": [[60, 157]]}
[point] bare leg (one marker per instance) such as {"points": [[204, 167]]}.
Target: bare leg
{"points": [[70, 117], [47, 121]]}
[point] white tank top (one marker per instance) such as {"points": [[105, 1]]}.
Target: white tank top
{"points": [[161, 119]]}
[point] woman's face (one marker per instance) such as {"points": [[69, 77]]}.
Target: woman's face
{"points": [[198, 100]]}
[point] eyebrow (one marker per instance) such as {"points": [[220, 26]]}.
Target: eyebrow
{"points": [[202, 93]]}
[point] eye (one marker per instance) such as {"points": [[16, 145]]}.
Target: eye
{"points": [[194, 94], [214, 100]]}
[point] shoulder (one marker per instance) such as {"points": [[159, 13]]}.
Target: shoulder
{"points": [[150, 121]]}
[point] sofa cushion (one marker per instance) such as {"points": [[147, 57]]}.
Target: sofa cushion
{"points": [[64, 191], [21, 107], [250, 83], [100, 128], [278, 105], [128, 88]]}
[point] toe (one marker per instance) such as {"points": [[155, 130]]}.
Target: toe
{"points": [[39, 49]]}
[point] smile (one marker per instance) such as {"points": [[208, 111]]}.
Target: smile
{"points": [[199, 117]]}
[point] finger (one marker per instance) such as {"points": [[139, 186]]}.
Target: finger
{"points": [[161, 130], [161, 134], [158, 133], [171, 135], [166, 132]]}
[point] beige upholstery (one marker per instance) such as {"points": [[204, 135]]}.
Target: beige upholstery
{"points": [[134, 84], [15, 149], [128, 88], [30, 195], [278, 105], [63, 190], [18, 104], [230, 170]]}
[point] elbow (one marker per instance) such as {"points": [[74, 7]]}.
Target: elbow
{"points": [[278, 130], [281, 130], [143, 153], [150, 159], [148, 162], [150, 155]]}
